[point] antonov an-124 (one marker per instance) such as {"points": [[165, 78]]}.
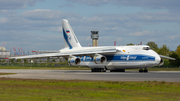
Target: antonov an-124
{"points": [[100, 59]]}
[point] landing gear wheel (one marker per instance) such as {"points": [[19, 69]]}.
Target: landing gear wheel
{"points": [[120, 70], [140, 70], [123, 70], [98, 70], [145, 70]]}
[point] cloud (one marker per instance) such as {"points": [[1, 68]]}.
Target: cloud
{"points": [[16, 4], [91, 2], [43, 26], [143, 33], [3, 20], [39, 19], [49, 20], [156, 17], [7, 12], [46, 14], [66, 5], [30, 40], [152, 4]]}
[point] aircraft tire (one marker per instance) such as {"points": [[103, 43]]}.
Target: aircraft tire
{"points": [[95, 69], [145, 70], [140, 70], [122, 70], [102, 70], [98, 70]]}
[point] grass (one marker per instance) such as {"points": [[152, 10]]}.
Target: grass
{"points": [[78, 90], [7, 73]]}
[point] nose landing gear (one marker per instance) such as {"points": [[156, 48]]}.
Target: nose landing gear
{"points": [[141, 70]]}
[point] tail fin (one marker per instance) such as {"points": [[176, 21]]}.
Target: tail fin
{"points": [[70, 38]]}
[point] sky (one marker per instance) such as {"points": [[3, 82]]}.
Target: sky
{"points": [[36, 24]]}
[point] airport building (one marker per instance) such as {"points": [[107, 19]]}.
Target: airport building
{"points": [[4, 54], [95, 37], [7, 53]]}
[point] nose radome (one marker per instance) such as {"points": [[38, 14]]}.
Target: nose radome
{"points": [[158, 59]]}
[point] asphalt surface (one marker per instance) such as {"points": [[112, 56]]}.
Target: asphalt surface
{"points": [[167, 76]]}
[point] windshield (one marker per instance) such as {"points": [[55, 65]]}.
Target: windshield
{"points": [[146, 48]]}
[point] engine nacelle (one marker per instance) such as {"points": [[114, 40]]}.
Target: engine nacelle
{"points": [[99, 59], [161, 62], [74, 61]]}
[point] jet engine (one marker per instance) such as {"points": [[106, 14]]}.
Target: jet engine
{"points": [[161, 62], [74, 61], [99, 59]]}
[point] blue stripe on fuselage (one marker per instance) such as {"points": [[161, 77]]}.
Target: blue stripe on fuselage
{"points": [[121, 58]]}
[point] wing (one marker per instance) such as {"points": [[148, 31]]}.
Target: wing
{"points": [[166, 57], [67, 54]]}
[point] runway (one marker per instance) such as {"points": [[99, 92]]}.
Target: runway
{"points": [[167, 76]]}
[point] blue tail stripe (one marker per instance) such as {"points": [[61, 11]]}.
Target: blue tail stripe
{"points": [[66, 38]]}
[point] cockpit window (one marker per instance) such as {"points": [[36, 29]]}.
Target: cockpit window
{"points": [[146, 48]]}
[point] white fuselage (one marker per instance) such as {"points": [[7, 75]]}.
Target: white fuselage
{"points": [[125, 57]]}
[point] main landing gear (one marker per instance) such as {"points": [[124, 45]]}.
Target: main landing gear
{"points": [[141, 70], [98, 70]]}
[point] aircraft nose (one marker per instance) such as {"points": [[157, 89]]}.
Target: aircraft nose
{"points": [[158, 59]]}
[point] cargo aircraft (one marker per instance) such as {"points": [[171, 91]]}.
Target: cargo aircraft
{"points": [[100, 59]]}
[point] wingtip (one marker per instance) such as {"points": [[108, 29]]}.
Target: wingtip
{"points": [[166, 57]]}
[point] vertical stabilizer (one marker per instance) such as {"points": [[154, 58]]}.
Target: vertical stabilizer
{"points": [[70, 38]]}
